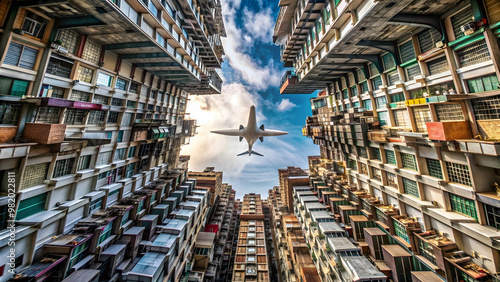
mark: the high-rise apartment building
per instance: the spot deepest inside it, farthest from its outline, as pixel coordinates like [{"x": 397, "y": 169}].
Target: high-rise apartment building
[
  {"x": 289, "y": 177},
  {"x": 406, "y": 121},
  {"x": 211, "y": 179},
  {"x": 251, "y": 261},
  {"x": 92, "y": 115}
]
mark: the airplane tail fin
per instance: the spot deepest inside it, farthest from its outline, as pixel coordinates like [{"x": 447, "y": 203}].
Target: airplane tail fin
[
  {"x": 244, "y": 153},
  {"x": 255, "y": 153},
  {"x": 261, "y": 139},
  {"x": 241, "y": 138}
]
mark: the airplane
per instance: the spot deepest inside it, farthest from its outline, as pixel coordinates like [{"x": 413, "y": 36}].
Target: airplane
[{"x": 251, "y": 133}]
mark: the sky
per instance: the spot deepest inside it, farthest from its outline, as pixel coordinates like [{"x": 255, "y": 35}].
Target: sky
[{"x": 251, "y": 73}]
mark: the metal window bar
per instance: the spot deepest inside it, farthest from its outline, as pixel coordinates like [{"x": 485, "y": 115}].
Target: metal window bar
[
  {"x": 458, "y": 173},
  {"x": 75, "y": 116},
  {"x": 77, "y": 95},
  {"x": 83, "y": 162},
  {"x": 474, "y": 53},
  {"x": 409, "y": 161},
  {"x": 410, "y": 187},
  {"x": 438, "y": 65},
  {"x": 428, "y": 38},
  {"x": 449, "y": 112},
  {"x": 459, "y": 19},
  {"x": 63, "y": 167},
  {"x": 487, "y": 108},
  {"x": 434, "y": 168},
  {"x": 34, "y": 175},
  {"x": 406, "y": 51},
  {"x": 48, "y": 114},
  {"x": 422, "y": 115}
]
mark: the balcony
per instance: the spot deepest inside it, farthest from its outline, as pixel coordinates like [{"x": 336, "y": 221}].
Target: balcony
[
  {"x": 44, "y": 133},
  {"x": 288, "y": 79}
]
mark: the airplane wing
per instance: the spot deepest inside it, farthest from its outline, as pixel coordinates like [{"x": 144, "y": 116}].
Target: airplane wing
[
  {"x": 229, "y": 132},
  {"x": 270, "y": 132}
]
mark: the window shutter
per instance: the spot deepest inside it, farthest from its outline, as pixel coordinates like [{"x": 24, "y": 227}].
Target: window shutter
[
  {"x": 13, "y": 54},
  {"x": 28, "y": 58}
]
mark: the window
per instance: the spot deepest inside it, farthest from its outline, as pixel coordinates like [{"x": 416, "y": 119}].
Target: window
[
  {"x": 21, "y": 56},
  {"x": 458, "y": 173},
  {"x": 438, "y": 65},
  {"x": 449, "y": 112},
  {"x": 96, "y": 117},
  {"x": 434, "y": 168},
  {"x": 373, "y": 70},
  {"x": 410, "y": 187},
  {"x": 85, "y": 74},
  {"x": 383, "y": 118},
  {"x": 63, "y": 167},
  {"x": 34, "y": 24},
  {"x": 14, "y": 87},
  {"x": 492, "y": 215},
  {"x": 133, "y": 87},
  {"x": 427, "y": 39},
  {"x": 121, "y": 84},
  {"x": 402, "y": 119},
  {"x": 364, "y": 169},
  {"x": 127, "y": 119},
  {"x": 463, "y": 17},
  {"x": 391, "y": 157},
  {"x": 131, "y": 151},
  {"x": 113, "y": 117},
  {"x": 352, "y": 164},
  {"x": 75, "y": 116},
  {"x": 474, "y": 53},
  {"x": 99, "y": 99},
  {"x": 31, "y": 206},
  {"x": 117, "y": 102},
  {"x": 406, "y": 51},
  {"x": 69, "y": 39},
  {"x": 381, "y": 102},
  {"x": 354, "y": 91},
  {"x": 77, "y": 95},
  {"x": 367, "y": 104},
  {"x": 119, "y": 154},
  {"x": 376, "y": 154},
  {"x": 103, "y": 158},
  {"x": 463, "y": 205},
  {"x": 377, "y": 82},
  {"x": 59, "y": 67},
  {"x": 400, "y": 231},
  {"x": 377, "y": 174},
  {"x": 129, "y": 11},
  {"x": 409, "y": 161},
  {"x": 487, "y": 108},
  {"x": 426, "y": 250},
  {"x": 362, "y": 152},
  {"x": 397, "y": 97},
  {"x": 391, "y": 179},
  {"x": 147, "y": 27},
  {"x": 48, "y": 114},
  {"x": 95, "y": 205},
  {"x": 104, "y": 79},
  {"x": 131, "y": 104},
  {"x": 130, "y": 170},
  {"x": 422, "y": 115},
  {"x": 9, "y": 112},
  {"x": 412, "y": 71},
  {"x": 92, "y": 51},
  {"x": 482, "y": 84},
  {"x": 83, "y": 162},
  {"x": 392, "y": 78}
]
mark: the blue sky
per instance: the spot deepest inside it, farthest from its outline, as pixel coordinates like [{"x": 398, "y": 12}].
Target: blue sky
[{"x": 251, "y": 72}]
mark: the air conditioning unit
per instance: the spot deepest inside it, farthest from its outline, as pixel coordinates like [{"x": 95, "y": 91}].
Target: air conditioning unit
[{"x": 468, "y": 28}]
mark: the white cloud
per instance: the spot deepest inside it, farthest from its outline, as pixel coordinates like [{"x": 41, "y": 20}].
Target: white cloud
[
  {"x": 259, "y": 25},
  {"x": 285, "y": 105},
  {"x": 239, "y": 44}
]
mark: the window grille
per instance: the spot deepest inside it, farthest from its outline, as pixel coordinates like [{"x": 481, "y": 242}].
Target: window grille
[
  {"x": 83, "y": 162},
  {"x": 104, "y": 79},
  {"x": 134, "y": 86},
  {"x": 373, "y": 70},
  {"x": 459, "y": 19},
  {"x": 119, "y": 154},
  {"x": 363, "y": 152},
  {"x": 131, "y": 104},
  {"x": 376, "y": 154},
  {"x": 352, "y": 164},
  {"x": 463, "y": 205},
  {"x": 492, "y": 215},
  {"x": 392, "y": 179},
  {"x": 412, "y": 71},
  {"x": 103, "y": 158},
  {"x": 367, "y": 104},
  {"x": 406, "y": 51},
  {"x": 34, "y": 175},
  {"x": 77, "y": 95},
  {"x": 383, "y": 117},
  {"x": 69, "y": 40},
  {"x": 91, "y": 51},
  {"x": 17, "y": 87},
  {"x": 458, "y": 173},
  {"x": 57, "y": 92},
  {"x": 397, "y": 97},
  {"x": 21, "y": 56},
  {"x": 434, "y": 168},
  {"x": 48, "y": 114},
  {"x": 95, "y": 205},
  {"x": 34, "y": 25},
  {"x": 377, "y": 82},
  {"x": 119, "y": 138},
  {"x": 438, "y": 65},
  {"x": 410, "y": 187},
  {"x": 121, "y": 84},
  {"x": 422, "y": 115},
  {"x": 474, "y": 53},
  {"x": 361, "y": 74},
  {"x": 98, "y": 99},
  {"x": 381, "y": 102},
  {"x": 131, "y": 152},
  {"x": 9, "y": 112},
  {"x": 117, "y": 102},
  {"x": 409, "y": 161},
  {"x": 354, "y": 91},
  {"x": 85, "y": 74},
  {"x": 113, "y": 117},
  {"x": 127, "y": 119},
  {"x": 130, "y": 170},
  {"x": 96, "y": 117},
  {"x": 402, "y": 119},
  {"x": 63, "y": 167},
  {"x": 428, "y": 38},
  {"x": 449, "y": 112},
  {"x": 393, "y": 78},
  {"x": 486, "y": 108},
  {"x": 364, "y": 169},
  {"x": 364, "y": 86},
  {"x": 75, "y": 116},
  {"x": 481, "y": 84},
  {"x": 400, "y": 231},
  {"x": 31, "y": 206},
  {"x": 151, "y": 107},
  {"x": 388, "y": 61}
]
